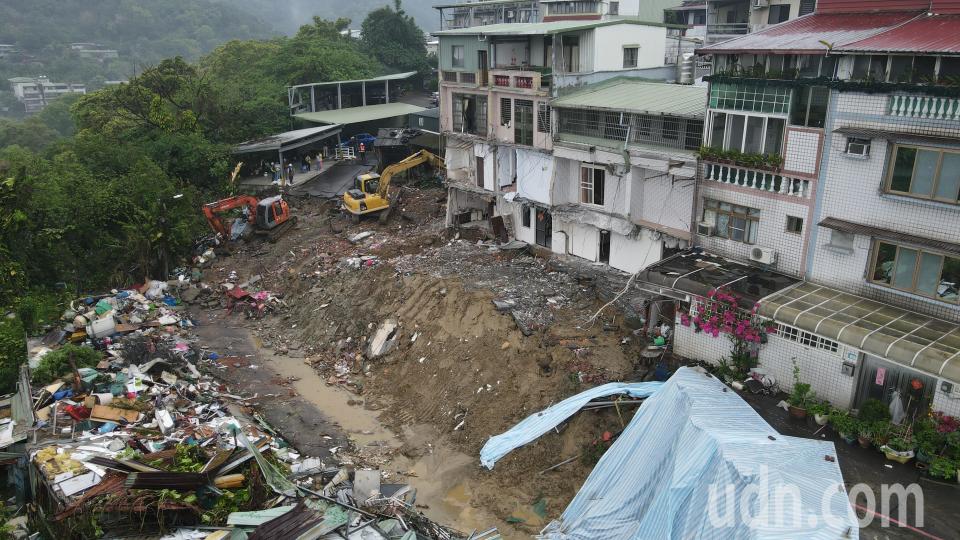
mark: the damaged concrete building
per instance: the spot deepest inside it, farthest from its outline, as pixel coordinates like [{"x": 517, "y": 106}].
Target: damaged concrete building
[{"x": 497, "y": 83}]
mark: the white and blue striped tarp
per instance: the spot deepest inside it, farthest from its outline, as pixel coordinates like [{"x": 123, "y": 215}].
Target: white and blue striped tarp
[
  {"x": 535, "y": 425},
  {"x": 698, "y": 462}
]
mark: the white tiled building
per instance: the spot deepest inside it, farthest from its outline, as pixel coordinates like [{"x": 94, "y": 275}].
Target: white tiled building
[{"x": 866, "y": 205}]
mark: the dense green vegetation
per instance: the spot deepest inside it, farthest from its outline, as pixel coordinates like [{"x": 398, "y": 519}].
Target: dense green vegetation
[{"x": 104, "y": 190}]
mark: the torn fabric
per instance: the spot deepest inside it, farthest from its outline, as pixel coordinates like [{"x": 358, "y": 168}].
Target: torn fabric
[{"x": 535, "y": 425}]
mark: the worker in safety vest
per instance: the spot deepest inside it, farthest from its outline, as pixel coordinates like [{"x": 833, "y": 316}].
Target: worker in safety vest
[{"x": 363, "y": 153}]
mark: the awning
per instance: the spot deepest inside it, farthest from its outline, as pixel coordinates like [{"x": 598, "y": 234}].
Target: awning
[
  {"x": 898, "y": 335},
  {"x": 887, "y": 234},
  {"x": 356, "y": 115},
  {"x": 894, "y": 134},
  {"x": 287, "y": 140},
  {"x": 697, "y": 272}
]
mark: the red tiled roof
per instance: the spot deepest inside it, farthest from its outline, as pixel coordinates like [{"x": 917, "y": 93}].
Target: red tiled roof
[
  {"x": 853, "y": 6},
  {"x": 808, "y": 34},
  {"x": 934, "y": 33}
]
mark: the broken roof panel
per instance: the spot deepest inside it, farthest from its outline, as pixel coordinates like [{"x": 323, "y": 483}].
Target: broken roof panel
[
  {"x": 356, "y": 115},
  {"x": 692, "y": 445},
  {"x": 697, "y": 272},
  {"x": 635, "y": 95},
  {"x": 910, "y": 339},
  {"x": 927, "y": 33},
  {"x": 813, "y": 34},
  {"x": 287, "y": 140}
]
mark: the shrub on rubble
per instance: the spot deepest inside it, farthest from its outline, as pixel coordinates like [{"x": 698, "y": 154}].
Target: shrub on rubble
[
  {"x": 56, "y": 364},
  {"x": 13, "y": 352}
]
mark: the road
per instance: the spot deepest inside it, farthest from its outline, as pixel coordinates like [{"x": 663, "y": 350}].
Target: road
[{"x": 333, "y": 181}]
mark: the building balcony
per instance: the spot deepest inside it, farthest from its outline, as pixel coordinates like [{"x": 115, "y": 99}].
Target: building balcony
[
  {"x": 470, "y": 78},
  {"x": 920, "y": 106},
  {"x": 522, "y": 78},
  {"x": 761, "y": 180}
]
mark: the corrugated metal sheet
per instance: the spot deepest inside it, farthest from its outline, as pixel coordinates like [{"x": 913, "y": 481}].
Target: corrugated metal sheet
[
  {"x": 644, "y": 97},
  {"x": 848, "y": 6},
  {"x": 806, "y": 34},
  {"x": 936, "y": 33},
  {"x": 541, "y": 28},
  {"x": 355, "y": 115},
  {"x": 920, "y": 342},
  {"x": 691, "y": 458}
]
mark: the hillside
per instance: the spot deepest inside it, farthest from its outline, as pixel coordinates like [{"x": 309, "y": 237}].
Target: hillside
[{"x": 289, "y": 15}]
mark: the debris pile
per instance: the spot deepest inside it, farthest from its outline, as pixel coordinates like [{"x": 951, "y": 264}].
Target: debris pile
[{"x": 134, "y": 435}]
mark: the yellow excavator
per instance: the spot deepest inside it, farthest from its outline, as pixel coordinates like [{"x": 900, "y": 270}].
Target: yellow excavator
[{"x": 371, "y": 191}]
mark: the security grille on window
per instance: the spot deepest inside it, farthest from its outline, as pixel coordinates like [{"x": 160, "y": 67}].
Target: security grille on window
[
  {"x": 543, "y": 118},
  {"x": 917, "y": 271},
  {"x": 643, "y": 129},
  {"x": 630, "y": 56},
  {"x": 506, "y": 111},
  {"x": 858, "y": 147},
  {"x": 925, "y": 173},
  {"x": 806, "y": 338},
  {"x": 457, "y": 56},
  {"x": 731, "y": 221},
  {"x": 591, "y": 185}
]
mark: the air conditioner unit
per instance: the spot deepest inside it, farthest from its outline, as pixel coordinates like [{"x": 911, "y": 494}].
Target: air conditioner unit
[
  {"x": 760, "y": 3},
  {"x": 763, "y": 255},
  {"x": 704, "y": 229}
]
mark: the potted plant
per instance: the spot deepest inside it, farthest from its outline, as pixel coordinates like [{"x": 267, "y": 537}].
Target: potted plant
[
  {"x": 943, "y": 468},
  {"x": 865, "y": 435},
  {"x": 881, "y": 433},
  {"x": 845, "y": 425},
  {"x": 801, "y": 396},
  {"x": 821, "y": 412},
  {"x": 899, "y": 449}
]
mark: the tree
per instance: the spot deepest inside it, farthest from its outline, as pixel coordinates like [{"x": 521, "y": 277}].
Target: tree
[{"x": 394, "y": 39}]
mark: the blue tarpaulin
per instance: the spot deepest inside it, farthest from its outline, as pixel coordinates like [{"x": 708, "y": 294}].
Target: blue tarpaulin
[
  {"x": 697, "y": 461},
  {"x": 535, "y": 425}
]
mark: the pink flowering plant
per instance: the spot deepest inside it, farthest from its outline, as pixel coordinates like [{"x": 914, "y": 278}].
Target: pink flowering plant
[{"x": 724, "y": 312}]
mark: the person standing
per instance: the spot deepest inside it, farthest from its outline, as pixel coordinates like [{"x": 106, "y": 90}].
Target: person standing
[
  {"x": 290, "y": 172},
  {"x": 309, "y": 162},
  {"x": 363, "y": 153},
  {"x": 320, "y": 161}
]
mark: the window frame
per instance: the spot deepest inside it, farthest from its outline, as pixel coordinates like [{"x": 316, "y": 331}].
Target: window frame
[
  {"x": 793, "y": 220},
  {"x": 891, "y": 166},
  {"x": 779, "y": 9},
  {"x": 462, "y": 62},
  {"x": 525, "y": 220},
  {"x": 506, "y": 111},
  {"x": 727, "y": 131},
  {"x": 543, "y": 117},
  {"x": 875, "y": 254},
  {"x": 590, "y": 184},
  {"x": 751, "y": 226},
  {"x": 808, "y": 106},
  {"x": 636, "y": 56}
]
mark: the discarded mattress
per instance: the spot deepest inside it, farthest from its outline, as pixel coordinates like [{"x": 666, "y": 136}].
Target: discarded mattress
[
  {"x": 697, "y": 461},
  {"x": 535, "y": 425}
]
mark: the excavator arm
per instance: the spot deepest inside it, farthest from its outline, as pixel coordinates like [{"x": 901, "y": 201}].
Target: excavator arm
[
  {"x": 213, "y": 210},
  {"x": 410, "y": 162}
]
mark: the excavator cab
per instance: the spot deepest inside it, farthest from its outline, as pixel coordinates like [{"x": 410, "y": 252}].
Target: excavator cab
[
  {"x": 272, "y": 212},
  {"x": 371, "y": 191}
]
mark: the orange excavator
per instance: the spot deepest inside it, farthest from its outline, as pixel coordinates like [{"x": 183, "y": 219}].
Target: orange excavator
[{"x": 268, "y": 217}]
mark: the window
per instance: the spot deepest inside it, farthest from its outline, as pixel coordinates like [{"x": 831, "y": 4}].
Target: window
[
  {"x": 614, "y": 8},
  {"x": 926, "y": 173},
  {"x": 630, "y": 55},
  {"x": 858, "y": 147},
  {"x": 573, "y": 7},
  {"x": 543, "y": 117},
  {"x": 926, "y": 273},
  {"x": 750, "y": 98},
  {"x": 480, "y": 171},
  {"x": 950, "y": 69},
  {"x": 671, "y": 129},
  {"x": 470, "y": 114},
  {"x": 806, "y": 339},
  {"x": 869, "y": 68},
  {"x": 571, "y": 53},
  {"x": 731, "y": 221},
  {"x": 525, "y": 216},
  {"x": 457, "y": 56},
  {"x": 604, "y": 254},
  {"x": 809, "y": 107},
  {"x": 841, "y": 240},
  {"x": 506, "y": 111},
  {"x": 523, "y": 122},
  {"x": 759, "y": 134},
  {"x": 778, "y": 13},
  {"x": 591, "y": 185},
  {"x": 794, "y": 225}
]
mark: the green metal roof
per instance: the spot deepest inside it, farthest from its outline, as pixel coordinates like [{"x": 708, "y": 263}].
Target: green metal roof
[
  {"x": 355, "y": 115},
  {"x": 541, "y": 28},
  {"x": 639, "y": 96}
]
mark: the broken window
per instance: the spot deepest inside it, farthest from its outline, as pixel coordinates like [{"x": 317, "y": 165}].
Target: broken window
[
  {"x": 925, "y": 173},
  {"x": 544, "y": 233},
  {"x": 922, "y": 272},
  {"x": 591, "y": 185},
  {"x": 470, "y": 114},
  {"x": 731, "y": 221}
]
